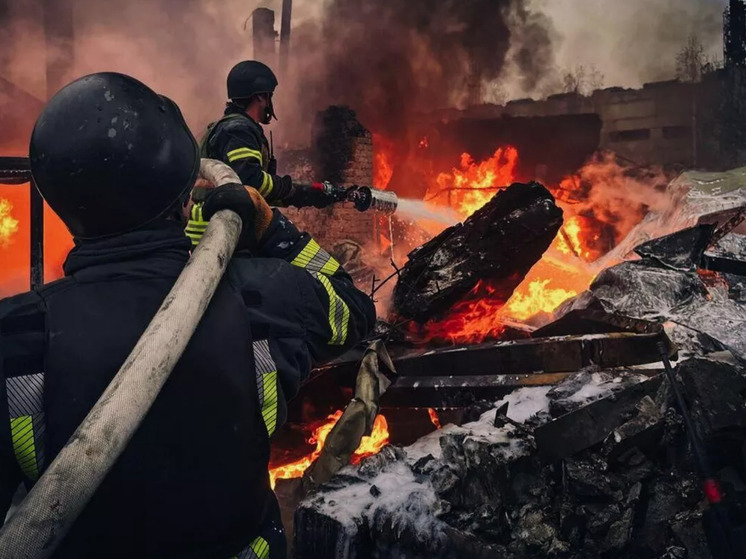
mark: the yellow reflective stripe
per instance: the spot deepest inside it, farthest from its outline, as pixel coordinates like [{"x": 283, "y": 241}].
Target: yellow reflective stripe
[
  {"x": 260, "y": 547},
  {"x": 339, "y": 312},
  {"x": 269, "y": 405},
  {"x": 313, "y": 258},
  {"x": 244, "y": 153},
  {"x": 24, "y": 445},
  {"x": 330, "y": 267},
  {"x": 196, "y": 226},
  {"x": 306, "y": 255},
  {"x": 267, "y": 185}
]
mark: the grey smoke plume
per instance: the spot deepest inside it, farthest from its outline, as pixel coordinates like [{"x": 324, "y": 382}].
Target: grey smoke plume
[
  {"x": 388, "y": 59},
  {"x": 392, "y": 59},
  {"x": 634, "y": 41},
  {"x": 180, "y": 48}
]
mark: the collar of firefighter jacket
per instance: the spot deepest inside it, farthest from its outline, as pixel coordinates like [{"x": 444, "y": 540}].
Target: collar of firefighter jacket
[
  {"x": 233, "y": 109},
  {"x": 161, "y": 250}
]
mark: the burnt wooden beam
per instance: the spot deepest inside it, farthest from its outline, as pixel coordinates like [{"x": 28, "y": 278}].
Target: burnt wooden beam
[
  {"x": 453, "y": 392},
  {"x": 498, "y": 244},
  {"x": 541, "y": 355}
]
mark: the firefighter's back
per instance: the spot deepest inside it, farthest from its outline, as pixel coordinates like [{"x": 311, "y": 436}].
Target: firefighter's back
[{"x": 193, "y": 480}]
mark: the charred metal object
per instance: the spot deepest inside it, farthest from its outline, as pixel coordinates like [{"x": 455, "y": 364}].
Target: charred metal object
[{"x": 499, "y": 243}]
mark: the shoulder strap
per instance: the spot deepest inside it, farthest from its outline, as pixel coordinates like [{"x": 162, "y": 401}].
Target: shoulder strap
[{"x": 205, "y": 140}]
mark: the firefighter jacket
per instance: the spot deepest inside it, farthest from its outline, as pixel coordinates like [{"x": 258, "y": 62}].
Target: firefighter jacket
[
  {"x": 193, "y": 481},
  {"x": 236, "y": 139}
]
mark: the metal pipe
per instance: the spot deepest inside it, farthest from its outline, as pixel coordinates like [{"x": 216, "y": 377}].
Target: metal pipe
[
  {"x": 263, "y": 30},
  {"x": 37, "y": 237},
  {"x": 46, "y": 515},
  {"x": 287, "y": 12}
]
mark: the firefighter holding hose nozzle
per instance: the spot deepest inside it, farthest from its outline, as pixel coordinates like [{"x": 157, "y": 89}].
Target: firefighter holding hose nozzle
[
  {"x": 238, "y": 139},
  {"x": 193, "y": 480}
]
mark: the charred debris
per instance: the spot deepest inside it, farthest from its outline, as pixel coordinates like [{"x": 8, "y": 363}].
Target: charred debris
[{"x": 568, "y": 443}]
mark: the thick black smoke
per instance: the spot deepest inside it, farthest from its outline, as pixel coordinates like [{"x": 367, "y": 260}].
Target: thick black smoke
[{"x": 392, "y": 59}]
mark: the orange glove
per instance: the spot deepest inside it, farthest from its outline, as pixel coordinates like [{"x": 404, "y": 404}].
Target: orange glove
[{"x": 263, "y": 216}]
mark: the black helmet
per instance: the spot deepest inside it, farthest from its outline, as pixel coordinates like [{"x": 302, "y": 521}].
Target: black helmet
[
  {"x": 110, "y": 155},
  {"x": 249, "y": 78}
]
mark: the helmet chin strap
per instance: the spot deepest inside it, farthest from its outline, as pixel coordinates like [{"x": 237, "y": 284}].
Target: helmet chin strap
[{"x": 270, "y": 111}]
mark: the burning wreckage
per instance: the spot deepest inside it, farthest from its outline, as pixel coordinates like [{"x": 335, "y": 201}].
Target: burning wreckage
[{"x": 565, "y": 438}]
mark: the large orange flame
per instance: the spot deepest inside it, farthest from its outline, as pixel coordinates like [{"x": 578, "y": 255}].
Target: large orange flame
[
  {"x": 368, "y": 446},
  {"x": 471, "y": 186}
]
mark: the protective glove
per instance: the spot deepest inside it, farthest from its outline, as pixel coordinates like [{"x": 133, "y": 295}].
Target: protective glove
[
  {"x": 305, "y": 195},
  {"x": 255, "y": 214}
]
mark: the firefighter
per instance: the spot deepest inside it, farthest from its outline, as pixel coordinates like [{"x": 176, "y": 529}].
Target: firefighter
[
  {"x": 193, "y": 481},
  {"x": 238, "y": 140}
]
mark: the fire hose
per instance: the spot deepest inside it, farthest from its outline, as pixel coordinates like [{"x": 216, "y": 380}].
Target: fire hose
[{"x": 45, "y": 516}]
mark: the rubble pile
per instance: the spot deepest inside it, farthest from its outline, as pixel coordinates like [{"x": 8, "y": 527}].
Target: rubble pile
[
  {"x": 668, "y": 285},
  {"x": 506, "y": 485},
  {"x": 587, "y": 456}
]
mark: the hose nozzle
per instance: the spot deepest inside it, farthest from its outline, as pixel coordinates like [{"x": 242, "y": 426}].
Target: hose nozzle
[{"x": 365, "y": 198}]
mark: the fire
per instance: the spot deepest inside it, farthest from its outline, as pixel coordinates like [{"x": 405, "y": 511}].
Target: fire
[
  {"x": 562, "y": 273},
  {"x": 474, "y": 184},
  {"x": 383, "y": 169},
  {"x": 368, "y": 446},
  {"x": 8, "y": 224},
  {"x": 434, "y": 419},
  {"x": 538, "y": 298},
  {"x": 470, "y": 321}
]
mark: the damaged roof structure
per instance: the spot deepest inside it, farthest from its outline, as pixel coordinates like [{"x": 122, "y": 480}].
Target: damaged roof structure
[{"x": 570, "y": 444}]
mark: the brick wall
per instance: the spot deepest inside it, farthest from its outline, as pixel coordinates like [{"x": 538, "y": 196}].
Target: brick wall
[{"x": 342, "y": 221}]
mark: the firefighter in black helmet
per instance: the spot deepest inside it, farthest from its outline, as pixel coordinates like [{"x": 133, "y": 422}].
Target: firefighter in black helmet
[
  {"x": 238, "y": 139},
  {"x": 117, "y": 162}
]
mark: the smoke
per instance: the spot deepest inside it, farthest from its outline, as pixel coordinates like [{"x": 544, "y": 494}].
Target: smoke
[
  {"x": 388, "y": 60},
  {"x": 391, "y": 60},
  {"x": 180, "y": 48},
  {"x": 634, "y": 41},
  {"x": 617, "y": 195}
]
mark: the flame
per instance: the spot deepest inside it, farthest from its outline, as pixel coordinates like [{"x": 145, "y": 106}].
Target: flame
[
  {"x": 562, "y": 273},
  {"x": 383, "y": 169},
  {"x": 369, "y": 445},
  {"x": 474, "y": 184},
  {"x": 15, "y": 236},
  {"x": 8, "y": 224},
  {"x": 434, "y": 418},
  {"x": 537, "y": 298}
]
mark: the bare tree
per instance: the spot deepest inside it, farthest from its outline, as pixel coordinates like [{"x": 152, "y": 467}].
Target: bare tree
[
  {"x": 691, "y": 60},
  {"x": 595, "y": 79},
  {"x": 582, "y": 80}
]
